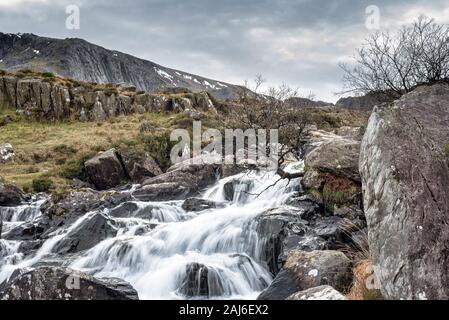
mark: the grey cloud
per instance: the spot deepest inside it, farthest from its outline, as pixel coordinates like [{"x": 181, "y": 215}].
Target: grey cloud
[{"x": 294, "y": 41}]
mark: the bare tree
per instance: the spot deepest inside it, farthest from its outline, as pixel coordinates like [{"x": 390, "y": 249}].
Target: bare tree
[
  {"x": 395, "y": 63},
  {"x": 269, "y": 111}
]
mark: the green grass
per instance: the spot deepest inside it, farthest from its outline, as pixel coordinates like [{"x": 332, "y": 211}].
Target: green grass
[
  {"x": 42, "y": 184},
  {"x": 59, "y": 150},
  {"x": 446, "y": 150}
]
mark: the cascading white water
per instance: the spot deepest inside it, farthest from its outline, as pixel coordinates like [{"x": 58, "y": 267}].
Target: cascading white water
[{"x": 157, "y": 243}]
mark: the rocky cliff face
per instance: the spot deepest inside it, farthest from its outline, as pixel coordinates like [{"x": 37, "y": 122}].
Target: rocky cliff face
[
  {"x": 84, "y": 61},
  {"x": 58, "y": 99},
  {"x": 363, "y": 103},
  {"x": 404, "y": 165}
]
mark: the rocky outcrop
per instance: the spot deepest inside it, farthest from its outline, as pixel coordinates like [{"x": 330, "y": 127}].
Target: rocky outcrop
[
  {"x": 57, "y": 283},
  {"x": 338, "y": 156},
  {"x": 304, "y": 270},
  {"x": 138, "y": 164},
  {"x": 11, "y": 195},
  {"x": 6, "y": 153},
  {"x": 405, "y": 174},
  {"x": 105, "y": 170},
  {"x": 299, "y": 102},
  {"x": 364, "y": 103},
  {"x": 55, "y": 99},
  {"x": 282, "y": 230},
  {"x": 77, "y": 203},
  {"x": 318, "y": 293}
]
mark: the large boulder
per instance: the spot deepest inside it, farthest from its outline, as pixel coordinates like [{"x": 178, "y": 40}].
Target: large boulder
[
  {"x": 339, "y": 156},
  {"x": 284, "y": 229},
  {"x": 164, "y": 191},
  {"x": 304, "y": 270},
  {"x": 92, "y": 230},
  {"x": 138, "y": 164},
  {"x": 318, "y": 293},
  {"x": 181, "y": 180},
  {"x": 77, "y": 203},
  {"x": 405, "y": 175},
  {"x": 6, "y": 153},
  {"x": 57, "y": 283},
  {"x": 105, "y": 170},
  {"x": 11, "y": 195},
  {"x": 196, "y": 281}
]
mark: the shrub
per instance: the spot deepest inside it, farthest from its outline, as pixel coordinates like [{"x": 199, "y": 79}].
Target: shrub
[
  {"x": 31, "y": 169},
  {"x": 47, "y": 75},
  {"x": 42, "y": 184},
  {"x": 446, "y": 150},
  {"x": 64, "y": 149},
  {"x": 159, "y": 147},
  {"x": 74, "y": 169}
]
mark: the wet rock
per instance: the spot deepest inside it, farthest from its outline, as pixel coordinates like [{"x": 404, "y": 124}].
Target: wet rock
[
  {"x": 307, "y": 204},
  {"x": 26, "y": 231},
  {"x": 57, "y": 283},
  {"x": 195, "y": 283},
  {"x": 331, "y": 229},
  {"x": 184, "y": 178},
  {"x": 11, "y": 195},
  {"x": 197, "y": 204},
  {"x": 105, "y": 170},
  {"x": 352, "y": 213},
  {"x": 77, "y": 203},
  {"x": 86, "y": 235},
  {"x": 282, "y": 230},
  {"x": 404, "y": 167},
  {"x": 304, "y": 270},
  {"x": 162, "y": 192},
  {"x": 201, "y": 281},
  {"x": 237, "y": 189},
  {"x": 126, "y": 209},
  {"x": 283, "y": 286},
  {"x": 78, "y": 184},
  {"x": 318, "y": 293}
]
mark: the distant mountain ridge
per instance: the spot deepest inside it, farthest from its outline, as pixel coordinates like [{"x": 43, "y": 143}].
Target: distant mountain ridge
[{"x": 81, "y": 60}]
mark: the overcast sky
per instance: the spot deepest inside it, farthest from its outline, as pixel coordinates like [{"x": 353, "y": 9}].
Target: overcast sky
[{"x": 297, "y": 42}]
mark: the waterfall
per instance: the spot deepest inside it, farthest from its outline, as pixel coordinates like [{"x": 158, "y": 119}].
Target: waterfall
[{"x": 167, "y": 253}]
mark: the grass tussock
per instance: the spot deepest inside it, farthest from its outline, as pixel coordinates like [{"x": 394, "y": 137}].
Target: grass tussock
[
  {"x": 364, "y": 284},
  {"x": 338, "y": 191}
]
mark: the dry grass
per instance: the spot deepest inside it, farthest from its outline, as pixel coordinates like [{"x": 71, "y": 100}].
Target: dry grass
[
  {"x": 328, "y": 118},
  {"x": 363, "y": 278},
  {"x": 44, "y": 148}
]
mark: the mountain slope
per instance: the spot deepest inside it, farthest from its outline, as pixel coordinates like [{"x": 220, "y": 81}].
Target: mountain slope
[{"x": 81, "y": 60}]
